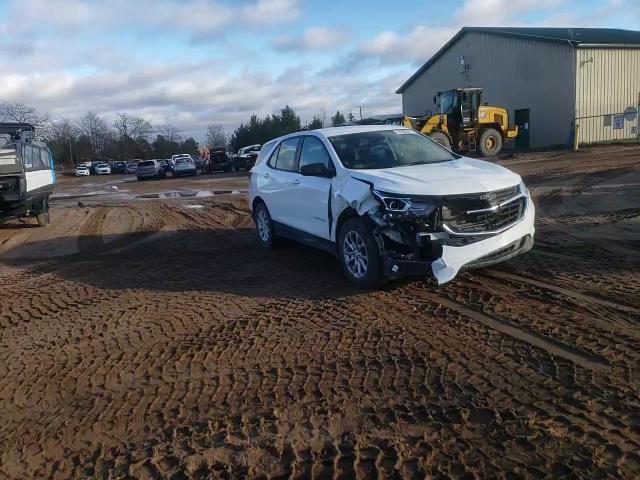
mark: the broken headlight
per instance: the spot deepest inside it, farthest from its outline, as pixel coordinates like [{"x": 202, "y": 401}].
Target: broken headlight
[
  {"x": 522, "y": 188},
  {"x": 391, "y": 203}
]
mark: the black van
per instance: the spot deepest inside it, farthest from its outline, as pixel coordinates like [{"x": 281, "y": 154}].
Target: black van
[{"x": 27, "y": 177}]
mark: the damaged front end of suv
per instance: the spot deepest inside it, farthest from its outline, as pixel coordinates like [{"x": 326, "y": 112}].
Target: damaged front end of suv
[{"x": 440, "y": 234}]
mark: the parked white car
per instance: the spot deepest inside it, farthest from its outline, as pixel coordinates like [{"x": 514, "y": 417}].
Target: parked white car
[
  {"x": 101, "y": 168},
  {"x": 389, "y": 202},
  {"x": 82, "y": 171}
]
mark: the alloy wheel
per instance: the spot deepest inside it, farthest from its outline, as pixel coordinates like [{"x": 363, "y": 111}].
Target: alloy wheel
[
  {"x": 262, "y": 222},
  {"x": 354, "y": 251}
]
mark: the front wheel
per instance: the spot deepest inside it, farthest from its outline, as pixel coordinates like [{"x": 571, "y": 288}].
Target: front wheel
[
  {"x": 360, "y": 255},
  {"x": 490, "y": 142},
  {"x": 441, "y": 138}
]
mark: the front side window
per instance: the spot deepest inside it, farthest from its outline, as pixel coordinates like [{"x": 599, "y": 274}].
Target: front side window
[
  {"x": 313, "y": 151},
  {"x": 388, "y": 149},
  {"x": 286, "y": 157}
]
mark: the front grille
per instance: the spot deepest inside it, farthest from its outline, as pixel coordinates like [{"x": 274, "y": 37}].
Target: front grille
[{"x": 468, "y": 214}]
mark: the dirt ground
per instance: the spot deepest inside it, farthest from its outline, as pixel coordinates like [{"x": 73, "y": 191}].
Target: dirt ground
[{"x": 144, "y": 334}]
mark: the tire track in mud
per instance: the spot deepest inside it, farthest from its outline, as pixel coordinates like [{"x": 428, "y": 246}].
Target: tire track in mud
[
  {"x": 577, "y": 296},
  {"x": 550, "y": 345},
  {"x": 223, "y": 361}
]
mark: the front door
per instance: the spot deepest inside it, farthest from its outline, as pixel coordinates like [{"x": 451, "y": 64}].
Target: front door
[
  {"x": 312, "y": 199},
  {"x": 522, "y": 120}
]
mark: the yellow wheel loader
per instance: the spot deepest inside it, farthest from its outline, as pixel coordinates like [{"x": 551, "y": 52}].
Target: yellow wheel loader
[{"x": 464, "y": 124}]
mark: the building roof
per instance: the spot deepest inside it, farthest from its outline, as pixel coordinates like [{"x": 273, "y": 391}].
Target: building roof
[{"x": 571, "y": 36}]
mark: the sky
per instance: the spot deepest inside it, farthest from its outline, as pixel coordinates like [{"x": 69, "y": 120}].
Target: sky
[{"x": 191, "y": 63}]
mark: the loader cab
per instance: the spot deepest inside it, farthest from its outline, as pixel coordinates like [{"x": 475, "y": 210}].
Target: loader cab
[{"x": 460, "y": 106}]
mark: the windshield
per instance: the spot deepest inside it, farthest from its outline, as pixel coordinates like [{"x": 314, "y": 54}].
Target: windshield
[{"x": 387, "y": 149}]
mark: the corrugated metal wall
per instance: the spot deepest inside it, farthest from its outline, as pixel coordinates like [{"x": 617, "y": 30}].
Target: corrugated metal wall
[
  {"x": 515, "y": 73},
  {"x": 607, "y": 83}
]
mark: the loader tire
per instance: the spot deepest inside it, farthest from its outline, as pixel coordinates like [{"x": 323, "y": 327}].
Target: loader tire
[
  {"x": 490, "y": 142},
  {"x": 441, "y": 138}
]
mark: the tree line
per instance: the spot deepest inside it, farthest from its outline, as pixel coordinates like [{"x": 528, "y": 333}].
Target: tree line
[
  {"x": 131, "y": 136},
  {"x": 92, "y": 138},
  {"x": 261, "y": 130}
]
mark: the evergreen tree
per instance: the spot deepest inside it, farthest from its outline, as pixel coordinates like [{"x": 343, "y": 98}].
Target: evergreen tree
[{"x": 337, "y": 119}]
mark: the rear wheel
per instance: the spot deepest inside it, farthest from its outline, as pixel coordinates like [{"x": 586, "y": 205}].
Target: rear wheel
[
  {"x": 359, "y": 254},
  {"x": 441, "y": 138},
  {"x": 490, "y": 142},
  {"x": 264, "y": 226},
  {"x": 43, "y": 215}
]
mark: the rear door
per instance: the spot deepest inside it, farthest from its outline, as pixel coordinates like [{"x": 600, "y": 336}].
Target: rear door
[
  {"x": 281, "y": 182},
  {"x": 312, "y": 198},
  {"x": 522, "y": 120}
]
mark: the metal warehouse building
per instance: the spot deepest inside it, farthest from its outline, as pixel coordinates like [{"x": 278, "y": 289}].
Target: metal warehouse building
[{"x": 549, "y": 79}]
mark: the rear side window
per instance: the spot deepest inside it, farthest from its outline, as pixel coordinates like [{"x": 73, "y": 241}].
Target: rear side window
[
  {"x": 313, "y": 151},
  {"x": 285, "y": 157},
  {"x": 32, "y": 159},
  {"x": 45, "y": 158}
]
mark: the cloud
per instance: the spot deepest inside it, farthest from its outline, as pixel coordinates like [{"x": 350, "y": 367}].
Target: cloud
[
  {"x": 417, "y": 46},
  {"x": 164, "y": 94},
  {"x": 499, "y": 12},
  {"x": 270, "y": 12},
  {"x": 198, "y": 19},
  {"x": 316, "y": 38}
]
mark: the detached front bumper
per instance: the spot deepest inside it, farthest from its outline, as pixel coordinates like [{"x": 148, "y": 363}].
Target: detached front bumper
[{"x": 496, "y": 248}]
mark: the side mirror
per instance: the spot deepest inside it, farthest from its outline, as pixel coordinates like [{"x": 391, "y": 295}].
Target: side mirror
[{"x": 316, "y": 170}]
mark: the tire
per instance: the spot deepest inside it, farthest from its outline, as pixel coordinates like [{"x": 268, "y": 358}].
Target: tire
[
  {"x": 43, "y": 215},
  {"x": 264, "y": 226},
  {"x": 490, "y": 142},
  {"x": 441, "y": 138},
  {"x": 359, "y": 254}
]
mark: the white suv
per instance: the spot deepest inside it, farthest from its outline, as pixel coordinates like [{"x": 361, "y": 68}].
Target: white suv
[{"x": 389, "y": 202}]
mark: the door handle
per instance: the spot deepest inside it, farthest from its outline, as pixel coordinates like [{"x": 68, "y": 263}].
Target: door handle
[{"x": 295, "y": 182}]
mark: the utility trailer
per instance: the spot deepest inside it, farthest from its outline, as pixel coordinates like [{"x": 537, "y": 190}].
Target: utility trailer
[{"x": 27, "y": 176}]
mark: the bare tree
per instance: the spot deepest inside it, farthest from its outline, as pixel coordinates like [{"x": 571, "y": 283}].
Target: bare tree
[
  {"x": 131, "y": 128},
  {"x": 95, "y": 128},
  {"x": 23, "y": 113},
  {"x": 216, "y": 136},
  {"x": 170, "y": 133},
  {"x": 63, "y": 136}
]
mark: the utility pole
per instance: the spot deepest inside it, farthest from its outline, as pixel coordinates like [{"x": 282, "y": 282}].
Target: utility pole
[{"x": 361, "y": 113}]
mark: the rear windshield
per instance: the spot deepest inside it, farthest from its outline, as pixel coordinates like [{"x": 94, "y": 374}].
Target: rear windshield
[
  {"x": 388, "y": 149},
  {"x": 9, "y": 162},
  {"x": 183, "y": 160},
  {"x": 149, "y": 163}
]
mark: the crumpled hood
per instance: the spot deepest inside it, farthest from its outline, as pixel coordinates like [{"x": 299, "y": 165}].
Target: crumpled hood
[{"x": 463, "y": 175}]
